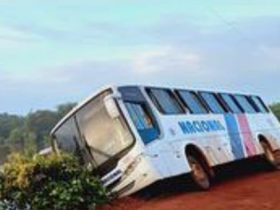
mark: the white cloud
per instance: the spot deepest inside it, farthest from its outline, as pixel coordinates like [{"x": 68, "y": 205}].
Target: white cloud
[
  {"x": 14, "y": 39},
  {"x": 16, "y": 35},
  {"x": 165, "y": 59}
]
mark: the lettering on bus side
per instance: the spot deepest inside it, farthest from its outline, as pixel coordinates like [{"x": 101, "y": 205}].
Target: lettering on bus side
[{"x": 204, "y": 126}]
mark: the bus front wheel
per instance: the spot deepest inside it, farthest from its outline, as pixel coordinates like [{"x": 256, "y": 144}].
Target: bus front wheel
[
  {"x": 272, "y": 157},
  {"x": 198, "y": 173}
]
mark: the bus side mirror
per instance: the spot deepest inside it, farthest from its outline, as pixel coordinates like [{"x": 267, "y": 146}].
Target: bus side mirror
[{"x": 111, "y": 106}]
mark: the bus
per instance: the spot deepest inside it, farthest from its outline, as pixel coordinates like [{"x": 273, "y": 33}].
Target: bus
[{"x": 133, "y": 136}]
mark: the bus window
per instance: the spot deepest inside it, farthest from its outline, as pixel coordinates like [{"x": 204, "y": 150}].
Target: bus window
[
  {"x": 66, "y": 137},
  {"x": 192, "y": 102},
  {"x": 165, "y": 101},
  {"x": 213, "y": 103},
  {"x": 245, "y": 104},
  {"x": 143, "y": 121},
  {"x": 105, "y": 137},
  {"x": 259, "y": 104},
  {"x": 229, "y": 101}
]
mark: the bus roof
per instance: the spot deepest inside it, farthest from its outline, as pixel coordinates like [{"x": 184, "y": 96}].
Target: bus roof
[{"x": 113, "y": 87}]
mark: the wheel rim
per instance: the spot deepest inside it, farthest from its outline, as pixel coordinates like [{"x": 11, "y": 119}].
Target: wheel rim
[
  {"x": 268, "y": 153},
  {"x": 199, "y": 174}
]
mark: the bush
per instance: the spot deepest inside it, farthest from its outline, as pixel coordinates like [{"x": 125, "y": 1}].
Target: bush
[{"x": 56, "y": 182}]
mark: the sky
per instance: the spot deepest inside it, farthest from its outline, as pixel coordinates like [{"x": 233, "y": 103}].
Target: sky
[{"x": 53, "y": 52}]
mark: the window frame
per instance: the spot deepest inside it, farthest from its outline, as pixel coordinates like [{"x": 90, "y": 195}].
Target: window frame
[
  {"x": 155, "y": 102},
  {"x": 149, "y": 112},
  {"x": 202, "y": 104},
  {"x": 227, "y": 106},
  {"x": 120, "y": 153},
  {"x": 225, "y": 110},
  {"x": 76, "y": 137},
  {"x": 141, "y": 98},
  {"x": 235, "y": 96},
  {"x": 112, "y": 162},
  {"x": 264, "y": 106}
]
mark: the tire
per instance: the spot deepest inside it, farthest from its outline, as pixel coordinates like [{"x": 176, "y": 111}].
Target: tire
[
  {"x": 199, "y": 174},
  {"x": 271, "y": 157}
]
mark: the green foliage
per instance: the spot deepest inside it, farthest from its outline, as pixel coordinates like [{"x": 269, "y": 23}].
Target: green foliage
[
  {"x": 8, "y": 123},
  {"x": 1, "y": 184},
  {"x": 4, "y": 152},
  {"x": 40, "y": 123},
  {"x": 28, "y": 134},
  {"x": 63, "y": 109},
  {"x": 276, "y": 109},
  {"x": 56, "y": 182}
]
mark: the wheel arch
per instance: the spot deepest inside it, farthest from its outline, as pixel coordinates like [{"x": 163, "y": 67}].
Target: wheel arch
[{"x": 198, "y": 153}]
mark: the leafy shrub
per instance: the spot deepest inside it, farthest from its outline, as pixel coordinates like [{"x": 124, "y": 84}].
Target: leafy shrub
[{"x": 56, "y": 182}]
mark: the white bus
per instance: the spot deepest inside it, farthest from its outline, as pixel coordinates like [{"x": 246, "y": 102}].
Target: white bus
[{"x": 133, "y": 136}]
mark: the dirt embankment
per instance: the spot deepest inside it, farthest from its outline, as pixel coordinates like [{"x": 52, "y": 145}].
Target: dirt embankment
[{"x": 247, "y": 185}]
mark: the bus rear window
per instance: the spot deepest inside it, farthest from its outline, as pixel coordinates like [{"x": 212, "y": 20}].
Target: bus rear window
[
  {"x": 192, "y": 102},
  {"x": 165, "y": 101}
]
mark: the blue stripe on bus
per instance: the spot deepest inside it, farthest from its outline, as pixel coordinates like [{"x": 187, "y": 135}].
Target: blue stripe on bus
[{"x": 235, "y": 138}]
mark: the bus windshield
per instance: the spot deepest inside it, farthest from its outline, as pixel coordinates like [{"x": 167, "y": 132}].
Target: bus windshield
[{"x": 103, "y": 136}]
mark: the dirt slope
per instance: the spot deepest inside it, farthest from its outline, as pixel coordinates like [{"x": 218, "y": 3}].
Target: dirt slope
[{"x": 243, "y": 186}]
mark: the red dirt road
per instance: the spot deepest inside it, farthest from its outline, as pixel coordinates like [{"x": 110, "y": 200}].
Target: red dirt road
[{"x": 245, "y": 186}]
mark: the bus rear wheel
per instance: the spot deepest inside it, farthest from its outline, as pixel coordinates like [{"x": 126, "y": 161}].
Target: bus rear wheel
[
  {"x": 198, "y": 173},
  {"x": 272, "y": 157}
]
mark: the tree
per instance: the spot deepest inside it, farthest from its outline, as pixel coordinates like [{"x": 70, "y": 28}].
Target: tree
[
  {"x": 63, "y": 109},
  {"x": 29, "y": 133},
  {"x": 8, "y": 123},
  {"x": 30, "y": 146},
  {"x": 276, "y": 109},
  {"x": 16, "y": 138},
  {"x": 4, "y": 152},
  {"x": 2, "y": 140},
  {"x": 40, "y": 123}
]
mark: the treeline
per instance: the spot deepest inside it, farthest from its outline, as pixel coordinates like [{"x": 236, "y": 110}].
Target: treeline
[
  {"x": 276, "y": 109},
  {"x": 28, "y": 133}
]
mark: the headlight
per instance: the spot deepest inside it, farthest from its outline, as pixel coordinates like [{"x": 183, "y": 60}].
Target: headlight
[{"x": 131, "y": 167}]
